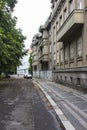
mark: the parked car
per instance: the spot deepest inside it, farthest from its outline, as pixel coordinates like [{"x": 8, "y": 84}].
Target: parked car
[
  {"x": 28, "y": 76},
  {"x": 7, "y": 75}
]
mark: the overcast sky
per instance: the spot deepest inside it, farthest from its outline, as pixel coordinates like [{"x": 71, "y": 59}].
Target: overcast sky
[{"x": 31, "y": 14}]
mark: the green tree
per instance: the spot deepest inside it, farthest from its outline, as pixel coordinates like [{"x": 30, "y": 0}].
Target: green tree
[
  {"x": 11, "y": 38},
  {"x": 30, "y": 64}
]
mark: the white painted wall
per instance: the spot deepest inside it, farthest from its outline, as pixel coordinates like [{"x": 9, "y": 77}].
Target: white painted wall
[
  {"x": 23, "y": 69},
  {"x": 43, "y": 74}
]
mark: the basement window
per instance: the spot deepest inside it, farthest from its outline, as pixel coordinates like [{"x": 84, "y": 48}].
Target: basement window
[
  {"x": 65, "y": 78},
  {"x": 61, "y": 77},
  {"x": 78, "y": 81},
  {"x": 71, "y": 79},
  {"x": 57, "y": 77}
]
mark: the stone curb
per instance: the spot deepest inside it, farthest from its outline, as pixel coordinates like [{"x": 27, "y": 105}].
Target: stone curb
[{"x": 65, "y": 122}]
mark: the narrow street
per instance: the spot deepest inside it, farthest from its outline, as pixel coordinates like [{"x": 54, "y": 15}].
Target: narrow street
[
  {"x": 41, "y": 105},
  {"x": 71, "y": 102},
  {"x": 24, "y": 107}
]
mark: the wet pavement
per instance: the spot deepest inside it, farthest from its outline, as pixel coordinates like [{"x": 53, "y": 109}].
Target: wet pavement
[
  {"x": 73, "y": 103},
  {"x": 22, "y": 107}
]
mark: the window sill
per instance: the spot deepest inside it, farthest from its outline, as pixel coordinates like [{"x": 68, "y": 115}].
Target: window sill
[{"x": 80, "y": 58}]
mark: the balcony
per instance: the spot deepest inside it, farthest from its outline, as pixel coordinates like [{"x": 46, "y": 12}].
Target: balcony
[
  {"x": 43, "y": 58},
  {"x": 35, "y": 63},
  {"x": 34, "y": 53},
  {"x": 41, "y": 28},
  {"x": 43, "y": 51},
  {"x": 72, "y": 23}
]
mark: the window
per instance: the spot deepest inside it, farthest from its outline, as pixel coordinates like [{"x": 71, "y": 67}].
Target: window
[
  {"x": 65, "y": 78},
  {"x": 34, "y": 58},
  {"x": 54, "y": 32},
  {"x": 71, "y": 5},
  {"x": 57, "y": 77},
  {"x": 61, "y": 55},
  {"x": 65, "y": 14},
  {"x": 71, "y": 79},
  {"x": 58, "y": 57},
  {"x": 54, "y": 56},
  {"x": 57, "y": 26},
  {"x": 72, "y": 50},
  {"x": 80, "y": 4},
  {"x": 50, "y": 48},
  {"x": 45, "y": 50},
  {"x": 66, "y": 54},
  {"x": 78, "y": 81},
  {"x": 60, "y": 21},
  {"x": 79, "y": 47},
  {"x": 61, "y": 77},
  {"x": 54, "y": 47}
]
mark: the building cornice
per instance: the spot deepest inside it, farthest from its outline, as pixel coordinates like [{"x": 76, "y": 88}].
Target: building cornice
[
  {"x": 46, "y": 26},
  {"x": 57, "y": 10},
  {"x": 36, "y": 39},
  {"x": 51, "y": 1}
]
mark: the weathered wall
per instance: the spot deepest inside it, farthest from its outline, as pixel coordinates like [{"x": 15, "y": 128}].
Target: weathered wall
[
  {"x": 43, "y": 74},
  {"x": 76, "y": 76}
]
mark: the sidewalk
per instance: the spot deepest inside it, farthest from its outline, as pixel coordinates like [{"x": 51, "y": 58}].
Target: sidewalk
[{"x": 69, "y": 104}]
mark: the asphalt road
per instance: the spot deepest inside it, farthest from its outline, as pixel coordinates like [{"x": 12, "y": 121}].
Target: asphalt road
[{"x": 23, "y": 107}]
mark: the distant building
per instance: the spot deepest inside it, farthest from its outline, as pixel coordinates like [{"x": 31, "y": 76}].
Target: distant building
[
  {"x": 23, "y": 69},
  {"x": 41, "y": 52}
]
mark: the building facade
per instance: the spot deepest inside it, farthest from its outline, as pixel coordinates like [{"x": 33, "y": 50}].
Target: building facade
[
  {"x": 41, "y": 52},
  {"x": 67, "y": 33}
]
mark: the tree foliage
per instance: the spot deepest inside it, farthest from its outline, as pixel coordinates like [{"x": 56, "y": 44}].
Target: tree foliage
[
  {"x": 30, "y": 64},
  {"x": 11, "y": 38}
]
